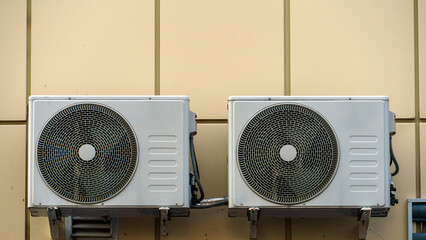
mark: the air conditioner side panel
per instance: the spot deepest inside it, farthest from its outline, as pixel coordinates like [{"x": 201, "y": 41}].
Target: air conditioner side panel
[{"x": 362, "y": 177}]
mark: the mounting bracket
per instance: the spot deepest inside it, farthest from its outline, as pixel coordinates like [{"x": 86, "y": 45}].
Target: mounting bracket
[
  {"x": 164, "y": 218},
  {"x": 54, "y": 216},
  {"x": 364, "y": 221},
  {"x": 253, "y": 217}
]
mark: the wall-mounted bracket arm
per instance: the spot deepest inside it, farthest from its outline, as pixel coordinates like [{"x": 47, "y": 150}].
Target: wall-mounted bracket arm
[
  {"x": 253, "y": 217},
  {"x": 164, "y": 218},
  {"x": 364, "y": 221},
  {"x": 54, "y": 216}
]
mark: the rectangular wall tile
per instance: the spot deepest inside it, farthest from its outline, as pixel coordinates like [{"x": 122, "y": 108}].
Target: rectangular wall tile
[
  {"x": 12, "y": 179},
  {"x": 354, "y": 48},
  {"x": 211, "y": 151},
  {"x": 92, "y": 47},
  {"x": 393, "y": 227},
  {"x": 423, "y": 158},
  {"x": 137, "y": 228},
  {"x": 13, "y": 28},
  {"x": 329, "y": 228},
  {"x": 422, "y": 56},
  {"x": 39, "y": 229},
  {"x": 211, "y": 50}
]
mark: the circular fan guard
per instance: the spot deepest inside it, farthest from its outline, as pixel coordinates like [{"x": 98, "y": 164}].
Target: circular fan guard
[
  {"x": 82, "y": 180},
  {"x": 272, "y": 177}
]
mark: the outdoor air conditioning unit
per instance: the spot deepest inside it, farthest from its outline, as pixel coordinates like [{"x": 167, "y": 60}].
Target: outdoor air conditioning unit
[
  {"x": 320, "y": 156},
  {"x": 109, "y": 155}
]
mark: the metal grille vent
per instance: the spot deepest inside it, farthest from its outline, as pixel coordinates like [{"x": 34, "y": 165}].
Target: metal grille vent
[
  {"x": 87, "y": 153},
  {"x": 95, "y": 228},
  {"x": 288, "y": 153}
]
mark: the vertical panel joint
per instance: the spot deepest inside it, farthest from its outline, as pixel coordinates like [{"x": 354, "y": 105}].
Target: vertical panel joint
[{"x": 157, "y": 47}]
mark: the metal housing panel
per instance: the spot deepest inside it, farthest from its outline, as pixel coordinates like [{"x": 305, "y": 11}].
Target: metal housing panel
[
  {"x": 361, "y": 125},
  {"x": 161, "y": 126}
]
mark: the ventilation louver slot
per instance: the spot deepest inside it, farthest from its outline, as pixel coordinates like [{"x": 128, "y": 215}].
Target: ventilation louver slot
[
  {"x": 288, "y": 153},
  {"x": 85, "y": 228},
  {"x": 87, "y": 153}
]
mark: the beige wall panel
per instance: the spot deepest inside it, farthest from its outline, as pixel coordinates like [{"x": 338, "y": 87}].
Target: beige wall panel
[
  {"x": 137, "y": 228},
  {"x": 12, "y": 179},
  {"x": 422, "y": 56},
  {"x": 206, "y": 224},
  {"x": 354, "y": 48},
  {"x": 13, "y": 28},
  {"x": 212, "y": 151},
  {"x": 423, "y": 159},
  {"x": 92, "y": 47},
  {"x": 329, "y": 228},
  {"x": 269, "y": 228},
  {"x": 213, "y": 49},
  {"x": 393, "y": 227},
  {"x": 39, "y": 229}
]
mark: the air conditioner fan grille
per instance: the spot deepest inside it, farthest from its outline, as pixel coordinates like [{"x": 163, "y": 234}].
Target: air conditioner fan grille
[
  {"x": 288, "y": 181},
  {"x": 98, "y": 177}
]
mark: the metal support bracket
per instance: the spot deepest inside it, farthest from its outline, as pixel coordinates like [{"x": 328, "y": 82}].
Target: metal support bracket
[
  {"x": 364, "y": 221},
  {"x": 164, "y": 218},
  {"x": 54, "y": 216},
  {"x": 253, "y": 217}
]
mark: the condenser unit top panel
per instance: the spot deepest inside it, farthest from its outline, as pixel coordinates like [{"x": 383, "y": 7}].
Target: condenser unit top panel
[
  {"x": 107, "y": 97},
  {"x": 305, "y": 98}
]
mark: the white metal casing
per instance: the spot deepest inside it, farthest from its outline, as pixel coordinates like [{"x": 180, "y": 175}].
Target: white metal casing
[
  {"x": 361, "y": 124},
  {"x": 160, "y": 123}
]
